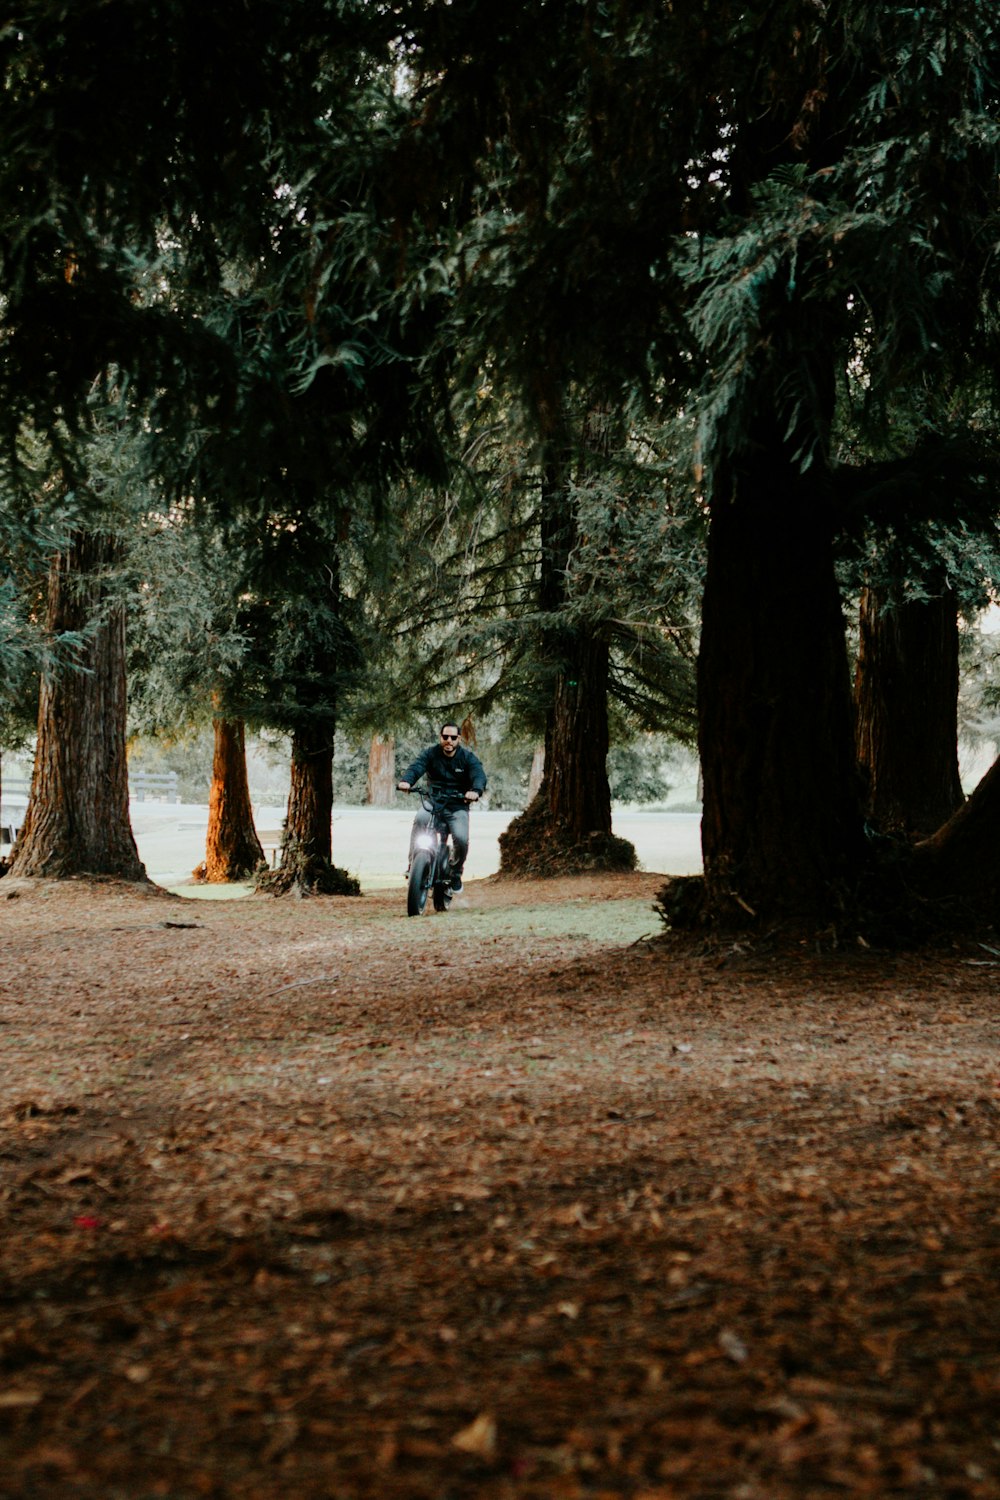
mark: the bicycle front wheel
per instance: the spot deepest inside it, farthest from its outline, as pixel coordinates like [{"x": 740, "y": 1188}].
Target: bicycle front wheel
[
  {"x": 420, "y": 880},
  {"x": 442, "y": 893}
]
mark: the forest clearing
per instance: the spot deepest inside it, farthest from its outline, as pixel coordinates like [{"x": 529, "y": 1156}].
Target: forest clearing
[{"x": 304, "y": 1199}]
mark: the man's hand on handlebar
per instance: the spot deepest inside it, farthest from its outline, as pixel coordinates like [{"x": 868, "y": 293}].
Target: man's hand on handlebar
[
  {"x": 402, "y": 786},
  {"x": 472, "y": 796}
]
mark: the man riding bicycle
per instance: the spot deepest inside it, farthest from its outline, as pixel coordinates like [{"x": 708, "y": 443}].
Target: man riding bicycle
[{"x": 456, "y": 777}]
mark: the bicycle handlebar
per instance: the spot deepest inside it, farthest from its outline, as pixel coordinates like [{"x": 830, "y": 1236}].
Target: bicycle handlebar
[{"x": 432, "y": 799}]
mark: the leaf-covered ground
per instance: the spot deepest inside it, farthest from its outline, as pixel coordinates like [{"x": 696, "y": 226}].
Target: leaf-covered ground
[{"x": 306, "y": 1199}]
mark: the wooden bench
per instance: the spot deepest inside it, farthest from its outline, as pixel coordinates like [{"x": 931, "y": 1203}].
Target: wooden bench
[
  {"x": 270, "y": 842},
  {"x": 13, "y": 806},
  {"x": 141, "y": 782}
]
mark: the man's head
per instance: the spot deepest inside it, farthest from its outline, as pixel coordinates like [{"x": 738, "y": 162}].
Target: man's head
[{"x": 449, "y": 738}]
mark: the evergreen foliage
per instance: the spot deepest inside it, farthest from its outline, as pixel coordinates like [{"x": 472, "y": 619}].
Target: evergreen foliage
[{"x": 464, "y": 622}]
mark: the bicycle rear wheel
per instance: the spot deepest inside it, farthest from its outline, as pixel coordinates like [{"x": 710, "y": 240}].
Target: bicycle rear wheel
[{"x": 419, "y": 885}]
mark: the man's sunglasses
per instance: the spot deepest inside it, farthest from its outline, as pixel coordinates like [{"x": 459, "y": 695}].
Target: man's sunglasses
[{"x": 449, "y": 736}]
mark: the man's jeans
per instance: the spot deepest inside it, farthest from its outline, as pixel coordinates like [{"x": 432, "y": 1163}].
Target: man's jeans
[{"x": 457, "y": 820}]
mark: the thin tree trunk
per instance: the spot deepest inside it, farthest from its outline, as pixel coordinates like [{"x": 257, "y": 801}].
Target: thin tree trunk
[
  {"x": 782, "y": 830},
  {"x": 77, "y": 820},
  {"x": 381, "y": 789},
  {"x": 232, "y": 848},
  {"x": 906, "y": 692}
]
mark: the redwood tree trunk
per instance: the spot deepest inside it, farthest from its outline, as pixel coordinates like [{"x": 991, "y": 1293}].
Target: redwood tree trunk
[
  {"x": 906, "y": 691},
  {"x": 308, "y": 842},
  {"x": 232, "y": 848},
  {"x": 381, "y": 791},
  {"x": 77, "y": 820},
  {"x": 782, "y": 830},
  {"x": 575, "y": 780}
]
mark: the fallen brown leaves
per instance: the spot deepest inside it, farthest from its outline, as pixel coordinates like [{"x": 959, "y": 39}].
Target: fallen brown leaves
[{"x": 311, "y": 1200}]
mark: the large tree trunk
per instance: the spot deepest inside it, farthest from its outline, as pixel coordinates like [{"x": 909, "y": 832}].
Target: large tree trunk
[
  {"x": 567, "y": 826},
  {"x": 381, "y": 790},
  {"x": 782, "y": 831},
  {"x": 576, "y": 742},
  {"x": 77, "y": 820},
  {"x": 307, "y": 844},
  {"x": 309, "y": 822},
  {"x": 906, "y": 691},
  {"x": 232, "y": 848}
]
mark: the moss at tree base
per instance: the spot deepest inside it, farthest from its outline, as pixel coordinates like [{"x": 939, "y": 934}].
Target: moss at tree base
[{"x": 531, "y": 845}]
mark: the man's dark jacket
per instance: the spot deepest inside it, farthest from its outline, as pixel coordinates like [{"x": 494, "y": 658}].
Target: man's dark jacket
[{"x": 449, "y": 776}]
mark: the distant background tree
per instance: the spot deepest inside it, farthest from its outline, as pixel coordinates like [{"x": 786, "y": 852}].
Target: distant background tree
[
  {"x": 918, "y": 546},
  {"x": 920, "y": 586}
]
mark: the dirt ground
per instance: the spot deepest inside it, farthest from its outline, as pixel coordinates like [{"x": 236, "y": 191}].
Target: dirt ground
[{"x": 303, "y": 1198}]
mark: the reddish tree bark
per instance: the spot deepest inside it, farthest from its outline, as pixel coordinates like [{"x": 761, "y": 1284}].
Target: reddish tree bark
[
  {"x": 575, "y": 779},
  {"x": 381, "y": 789},
  {"x": 77, "y": 819},
  {"x": 906, "y": 692},
  {"x": 309, "y": 822},
  {"x": 232, "y": 848},
  {"x": 307, "y": 845}
]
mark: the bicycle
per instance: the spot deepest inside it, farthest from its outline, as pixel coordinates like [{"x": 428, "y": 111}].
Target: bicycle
[{"x": 430, "y": 866}]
